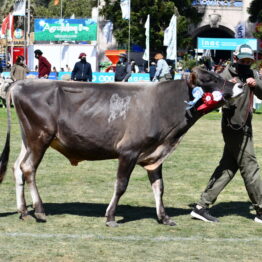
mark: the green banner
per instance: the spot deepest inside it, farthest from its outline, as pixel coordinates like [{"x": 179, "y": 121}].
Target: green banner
[{"x": 65, "y": 30}]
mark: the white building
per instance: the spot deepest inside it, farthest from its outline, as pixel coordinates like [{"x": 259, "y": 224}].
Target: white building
[{"x": 223, "y": 19}]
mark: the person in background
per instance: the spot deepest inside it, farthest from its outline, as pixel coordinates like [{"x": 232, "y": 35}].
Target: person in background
[
  {"x": 55, "y": 71},
  {"x": 8, "y": 66},
  {"x": 44, "y": 67},
  {"x": 19, "y": 69},
  {"x": 162, "y": 69},
  {"x": 123, "y": 69},
  {"x": 134, "y": 66},
  {"x": 239, "y": 153},
  {"x": 82, "y": 70},
  {"x": 260, "y": 72},
  {"x": 68, "y": 69},
  {"x": 152, "y": 70},
  {"x": 1, "y": 67}
]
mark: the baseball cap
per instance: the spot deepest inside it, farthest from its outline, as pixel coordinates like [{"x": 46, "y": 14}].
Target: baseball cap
[
  {"x": 244, "y": 51},
  {"x": 82, "y": 54}
]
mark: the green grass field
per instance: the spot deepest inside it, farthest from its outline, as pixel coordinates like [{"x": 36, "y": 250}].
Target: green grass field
[{"x": 75, "y": 200}]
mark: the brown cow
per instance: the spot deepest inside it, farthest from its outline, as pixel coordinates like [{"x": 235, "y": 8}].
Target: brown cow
[{"x": 137, "y": 123}]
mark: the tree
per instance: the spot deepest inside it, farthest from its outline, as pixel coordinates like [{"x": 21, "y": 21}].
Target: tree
[
  {"x": 6, "y": 6},
  {"x": 255, "y": 11},
  {"x": 80, "y": 8},
  {"x": 161, "y": 12},
  {"x": 46, "y": 8}
]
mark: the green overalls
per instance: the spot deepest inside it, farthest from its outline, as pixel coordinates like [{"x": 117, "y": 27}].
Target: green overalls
[{"x": 239, "y": 148}]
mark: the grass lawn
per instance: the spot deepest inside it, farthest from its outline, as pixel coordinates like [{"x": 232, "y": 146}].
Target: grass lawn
[{"x": 75, "y": 200}]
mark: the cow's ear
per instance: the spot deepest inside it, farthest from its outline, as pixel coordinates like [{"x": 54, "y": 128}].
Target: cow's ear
[{"x": 192, "y": 79}]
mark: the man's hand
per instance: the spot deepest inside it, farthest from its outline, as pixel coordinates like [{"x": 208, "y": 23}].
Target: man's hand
[{"x": 251, "y": 82}]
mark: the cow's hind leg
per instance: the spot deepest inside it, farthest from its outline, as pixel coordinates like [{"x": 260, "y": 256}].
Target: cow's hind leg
[
  {"x": 20, "y": 182},
  {"x": 156, "y": 180},
  {"x": 125, "y": 169},
  {"x": 29, "y": 166}
]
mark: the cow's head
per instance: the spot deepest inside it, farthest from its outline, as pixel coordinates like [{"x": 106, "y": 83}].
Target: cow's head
[{"x": 212, "y": 89}]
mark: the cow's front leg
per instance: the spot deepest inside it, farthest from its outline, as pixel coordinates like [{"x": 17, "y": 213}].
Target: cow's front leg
[
  {"x": 157, "y": 184},
  {"x": 125, "y": 169},
  {"x": 20, "y": 182}
]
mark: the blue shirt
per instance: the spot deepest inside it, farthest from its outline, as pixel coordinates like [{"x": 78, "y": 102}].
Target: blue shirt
[{"x": 162, "y": 68}]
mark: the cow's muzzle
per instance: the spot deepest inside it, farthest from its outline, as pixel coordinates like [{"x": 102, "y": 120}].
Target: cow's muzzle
[{"x": 236, "y": 92}]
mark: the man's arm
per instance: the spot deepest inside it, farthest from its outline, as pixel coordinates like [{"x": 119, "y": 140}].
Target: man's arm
[
  {"x": 12, "y": 73},
  {"x": 158, "y": 69},
  {"x": 48, "y": 65},
  {"x": 73, "y": 74},
  {"x": 256, "y": 84},
  {"x": 128, "y": 73},
  {"x": 90, "y": 73}
]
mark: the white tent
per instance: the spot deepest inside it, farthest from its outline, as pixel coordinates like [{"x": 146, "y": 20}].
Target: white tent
[{"x": 62, "y": 55}]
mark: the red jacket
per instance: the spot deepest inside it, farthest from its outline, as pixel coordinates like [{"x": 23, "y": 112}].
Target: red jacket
[{"x": 44, "y": 67}]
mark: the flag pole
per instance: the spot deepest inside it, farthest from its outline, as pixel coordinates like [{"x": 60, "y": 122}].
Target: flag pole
[
  {"x": 129, "y": 32},
  {"x": 11, "y": 36},
  {"x": 148, "y": 43},
  {"x": 28, "y": 27},
  {"x": 61, "y": 9},
  {"x": 98, "y": 37}
]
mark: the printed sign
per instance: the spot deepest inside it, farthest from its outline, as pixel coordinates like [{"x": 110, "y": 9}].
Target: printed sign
[
  {"x": 103, "y": 77},
  {"x": 236, "y": 3},
  {"x": 225, "y": 43},
  {"x": 139, "y": 77},
  {"x": 65, "y": 29}
]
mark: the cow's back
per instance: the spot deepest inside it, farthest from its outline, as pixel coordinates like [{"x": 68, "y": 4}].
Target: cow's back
[{"x": 99, "y": 121}]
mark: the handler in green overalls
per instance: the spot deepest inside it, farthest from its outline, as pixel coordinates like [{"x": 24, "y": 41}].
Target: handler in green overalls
[{"x": 237, "y": 133}]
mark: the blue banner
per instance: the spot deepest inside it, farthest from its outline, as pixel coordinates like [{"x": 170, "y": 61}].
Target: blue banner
[
  {"x": 64, "y": 76},
  {"x": 139, "y": 77},
  {"x": 98, "y": 77},
  {"x": 103, "y": 77},
  {"x": 5, "y": 75},
  {"x": 225, "y": 43}
]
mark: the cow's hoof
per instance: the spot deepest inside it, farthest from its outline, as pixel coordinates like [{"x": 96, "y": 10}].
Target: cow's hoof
[
  {"x": 111, "y": 224},
  {"x": 25, "y": 216},
  {"x": 40, "y": 217},
  {"x": 167, "y": 221}
]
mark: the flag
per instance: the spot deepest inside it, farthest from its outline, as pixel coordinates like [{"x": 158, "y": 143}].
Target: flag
[
  {"x": 147, "y": 34},
  {"x": 125, "y": 7},
  {"x": 8, "y": 26},
  {"x": 107, "y": 31},
  {"x": 5, "y": 25},
  {"x": 19, "y": 8},
  {"x": 56, "y": 2},
  {"x": 207, "y": 53},
  {"x": 170, "y": 39},
  {"x": 240, "y": 30}
]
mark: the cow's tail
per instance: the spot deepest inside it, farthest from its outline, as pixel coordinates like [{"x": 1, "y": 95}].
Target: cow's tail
[{"x": 5, "y": 154}]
